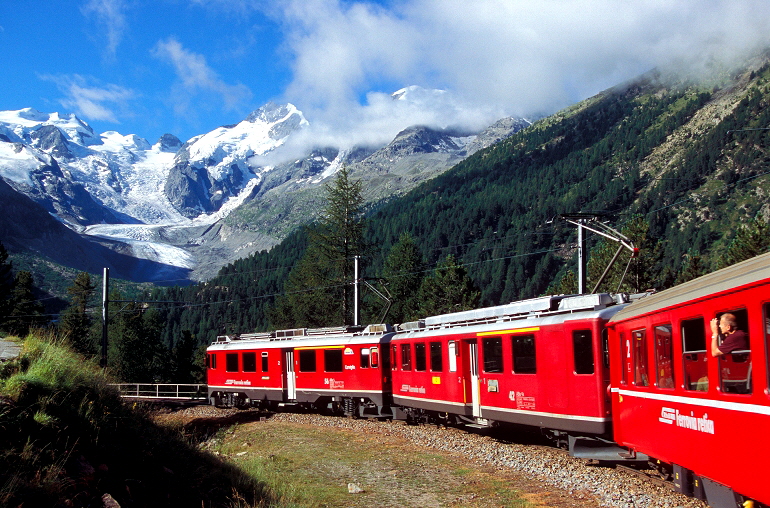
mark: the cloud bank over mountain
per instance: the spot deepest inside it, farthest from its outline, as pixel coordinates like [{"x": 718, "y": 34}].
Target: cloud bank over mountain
[{"x": 520, "y": 58}]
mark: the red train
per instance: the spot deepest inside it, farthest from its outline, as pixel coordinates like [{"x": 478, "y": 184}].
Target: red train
[{"x": 612, "y": 380}]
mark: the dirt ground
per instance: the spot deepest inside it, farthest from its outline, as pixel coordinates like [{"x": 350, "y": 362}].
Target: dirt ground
[{"x": 308, "y": 465}]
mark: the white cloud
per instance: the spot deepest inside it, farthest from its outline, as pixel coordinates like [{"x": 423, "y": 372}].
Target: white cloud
[
  {"x": 92, "y": 101},
  {"x": 195, "y": 77},
  {"x": 499, "y": 55},
  {"x": 110, "y": 15}
]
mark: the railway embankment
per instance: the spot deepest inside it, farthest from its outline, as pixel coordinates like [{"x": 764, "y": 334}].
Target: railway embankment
[{"x": 67, "y": 439}]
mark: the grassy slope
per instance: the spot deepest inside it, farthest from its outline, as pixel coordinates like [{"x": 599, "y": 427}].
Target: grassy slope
[{"x": 66, "y": 439}]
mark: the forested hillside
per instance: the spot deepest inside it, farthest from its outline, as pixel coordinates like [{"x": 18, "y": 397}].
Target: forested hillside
[{"x": 682, "y": 165}]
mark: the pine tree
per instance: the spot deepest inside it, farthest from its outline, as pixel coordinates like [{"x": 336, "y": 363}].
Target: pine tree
[
  {"x": 566, "y": 285},
  {"x": 76, "y": 322},
  {"x": 448, "y": 289},
  {"x": 184, "y": 354},
  {"x": 692, "y": 268},
  {"x": 319, "y": 291},
  {"x": 135, "y": 353},
  {"x": 402, "y": 273},
  {"x": 750, "y": 240},
  {"x": 25, "y": 311},
  {"x": 6, "y": 284}
]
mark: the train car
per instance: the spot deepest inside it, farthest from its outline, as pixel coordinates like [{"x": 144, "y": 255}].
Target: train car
[
  {"x": 704, "y": 418},
  {"x": 346, "y": 369},
  {"x": 541, "y": 362}
]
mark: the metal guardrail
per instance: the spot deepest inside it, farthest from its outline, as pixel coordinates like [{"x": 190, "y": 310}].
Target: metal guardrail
[{"x": 164, "y": 391}]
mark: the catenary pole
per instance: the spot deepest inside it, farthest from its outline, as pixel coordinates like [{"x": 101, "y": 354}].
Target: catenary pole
[{"x": 105, "y": 302}]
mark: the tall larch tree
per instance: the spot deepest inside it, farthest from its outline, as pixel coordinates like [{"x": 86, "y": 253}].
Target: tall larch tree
[{"x": 319, "y": 291}]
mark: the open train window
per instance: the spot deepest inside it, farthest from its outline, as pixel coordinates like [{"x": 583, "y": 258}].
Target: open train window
[
  {"x": 249, "y": 361},
  {"x": 641, "y": 372},
  {"x": 735, "y": 366},
  {"x": 493, "y": 354},
  {"x": 332, "y": 360},
  {"x": 231, "y": 362},
  {"x": 664, "y": 357},
  {"x": 583, "y": 349},
  {"x": 453, "y": 356},
  {"x": 363, "y": 358},
  {"x": 436, "y": 357},
  {"x": 394, "y": 359},
  {"x": 406, "y": 356},
  {"x": 264, "y": 361},
  {"x": 695, "y": 359},
  {"x": 419, "y": 356},
  {"x": 307, "y": 360},
  {"x": 211, "y": 361},
  {"x": 524, "y": 358}
]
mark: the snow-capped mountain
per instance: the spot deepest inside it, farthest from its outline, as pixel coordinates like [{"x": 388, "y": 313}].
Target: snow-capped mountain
[
  {"x": 213, "y": 199},
  {"x": 213, "y": 167}
]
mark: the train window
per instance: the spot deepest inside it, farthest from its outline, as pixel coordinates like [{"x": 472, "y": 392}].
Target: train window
[
  {"x": 249, "y": 362},
  {"x": 419, "y": 356},
  {"x": 641, "y": 376},
  {"x": 264, "y": 361},
  {"x": 332, "y": 360},
  {"x": 436, "y": 357},
  {"x": 307, "y": 360},
  {"x": 406, "y": 356},
  {"x": 493, "y": 354},
  {"x": 695, "y": 359},
  {"x": 231, "y": 362},
  {"x": 524, "y": 358},
  {"x": 363, "y": 358},
  {"x": 452, "y": 356},
  {"x": 664, "y": 357},
  {"x": 374, "y": 357},
  {"x": 735, "y": 367},
  {"x": 583, "y": 348},
  {"x": 394, "y": 354}
]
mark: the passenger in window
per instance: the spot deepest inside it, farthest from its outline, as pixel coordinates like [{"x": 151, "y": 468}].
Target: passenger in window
[{"x": 725, "y": 335}]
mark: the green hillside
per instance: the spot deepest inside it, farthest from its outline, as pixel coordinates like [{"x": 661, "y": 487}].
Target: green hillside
[{"x": 684, "y": 159}]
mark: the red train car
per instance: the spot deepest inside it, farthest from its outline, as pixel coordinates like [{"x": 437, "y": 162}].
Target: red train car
[
  {"x": 705, "y": 418},
  {"x": 345, "y": 369},
  {"x": 539, "y": 362}
]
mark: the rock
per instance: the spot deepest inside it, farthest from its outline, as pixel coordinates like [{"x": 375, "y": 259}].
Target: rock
[
  {"x": 354, "y": 489},
  {"x": 109, "y": 501}
]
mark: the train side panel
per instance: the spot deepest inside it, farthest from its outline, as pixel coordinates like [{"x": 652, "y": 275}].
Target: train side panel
[
  {"x": 351, "y": 370},
  {"x": 674, "y": 401},
  {"x": 539, "y": 362}
]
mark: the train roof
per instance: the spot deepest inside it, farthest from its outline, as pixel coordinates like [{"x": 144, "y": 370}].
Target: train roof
[
  {"x": 545, "y": 310},
  {"x": 737, "y": 275},
  {"x": 304, "y": 337}
]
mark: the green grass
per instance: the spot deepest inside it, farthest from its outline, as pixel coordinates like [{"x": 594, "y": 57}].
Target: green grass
[
  {"x": 66, "y": 438},
  {"x": 312, "y": 466}
]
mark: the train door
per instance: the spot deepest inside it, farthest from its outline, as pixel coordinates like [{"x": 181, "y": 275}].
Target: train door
[
  {"x": 473, "y": 376},
  {"x": 288, "y": 374}
]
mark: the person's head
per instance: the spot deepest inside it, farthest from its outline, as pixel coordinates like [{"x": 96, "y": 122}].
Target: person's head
[{"x": 728, "y": 323}]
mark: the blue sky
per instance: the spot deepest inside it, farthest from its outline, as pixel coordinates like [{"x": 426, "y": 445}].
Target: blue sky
[{"x": 148, "y": 67}]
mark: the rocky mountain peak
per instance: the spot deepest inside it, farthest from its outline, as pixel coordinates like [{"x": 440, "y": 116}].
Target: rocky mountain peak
[{"x": 169, "y": 143}]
